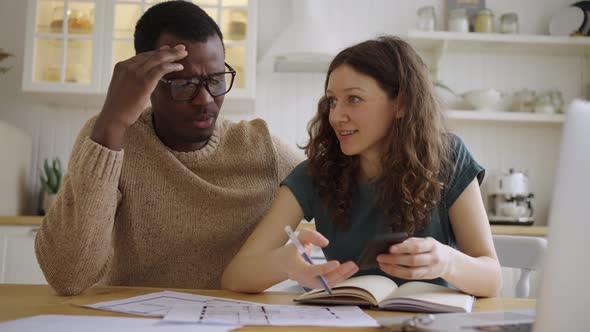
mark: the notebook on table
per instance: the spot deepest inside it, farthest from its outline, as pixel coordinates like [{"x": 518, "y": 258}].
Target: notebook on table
[{"x": 380, "y": 292}]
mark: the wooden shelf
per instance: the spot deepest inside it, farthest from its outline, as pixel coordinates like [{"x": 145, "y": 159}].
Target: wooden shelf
[
  {"x": 503, "y": 116},
  {"x": 495, "y": 42}
]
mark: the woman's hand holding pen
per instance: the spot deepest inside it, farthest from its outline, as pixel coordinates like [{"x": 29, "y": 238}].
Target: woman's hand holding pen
[
  {"x": 130, "y": 89},
  {"x": 417, "y": 258},
  {"x": 307, "y": 274}
]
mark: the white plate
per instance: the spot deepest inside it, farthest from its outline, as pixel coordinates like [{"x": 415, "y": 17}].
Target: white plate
[{"x": 566, "y": 21}]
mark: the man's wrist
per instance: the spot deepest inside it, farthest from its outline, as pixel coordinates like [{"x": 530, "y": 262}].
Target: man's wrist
[{"x": 108, "y": 133}]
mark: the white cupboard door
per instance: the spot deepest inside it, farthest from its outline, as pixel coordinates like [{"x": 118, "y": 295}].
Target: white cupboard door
[{"x": 19, "y": 263}]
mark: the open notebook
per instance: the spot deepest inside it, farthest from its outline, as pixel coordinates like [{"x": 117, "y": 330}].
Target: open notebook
[{"x": 383, "y": 293}]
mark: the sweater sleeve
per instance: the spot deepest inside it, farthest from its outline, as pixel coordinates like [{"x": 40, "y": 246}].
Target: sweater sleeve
[
  {"x": 74, "y": 244},
  {"x": 287, "y": 157}
]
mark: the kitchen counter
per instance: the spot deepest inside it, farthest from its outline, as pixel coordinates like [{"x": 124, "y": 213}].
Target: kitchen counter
[
  {"x": 21, "y": 220},
  {"x": 519, "y": 230},
  {"x": 496, "y": 229}
]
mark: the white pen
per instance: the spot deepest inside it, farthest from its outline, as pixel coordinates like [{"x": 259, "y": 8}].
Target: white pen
[{"x": 301, "y": 250}]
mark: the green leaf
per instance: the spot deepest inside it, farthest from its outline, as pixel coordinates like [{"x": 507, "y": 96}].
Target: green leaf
[
  {"x": 58, "y": 173},
  {"x": 44, "y": 184},
  {"x": 52, "y": 181},
  {"x": 46, "y": 167},
  {"x": 57, "y": 165}
]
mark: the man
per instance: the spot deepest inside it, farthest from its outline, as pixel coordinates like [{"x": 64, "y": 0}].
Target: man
[{"x": 165, "y": 196}]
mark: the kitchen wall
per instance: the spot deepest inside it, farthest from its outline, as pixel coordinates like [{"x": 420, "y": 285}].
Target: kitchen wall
[{"x": 287, "y": 101}]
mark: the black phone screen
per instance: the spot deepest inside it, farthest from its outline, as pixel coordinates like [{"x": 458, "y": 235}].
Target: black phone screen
[{"x": 378, "y": 245}]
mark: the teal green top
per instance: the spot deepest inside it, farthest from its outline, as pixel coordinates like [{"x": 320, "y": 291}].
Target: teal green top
[{"x": 367, "y": 220}]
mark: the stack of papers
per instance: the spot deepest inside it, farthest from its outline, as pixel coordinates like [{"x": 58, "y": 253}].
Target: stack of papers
[
  {"x": 200, "y": 309},
  {"x": 182, "y": 312}
]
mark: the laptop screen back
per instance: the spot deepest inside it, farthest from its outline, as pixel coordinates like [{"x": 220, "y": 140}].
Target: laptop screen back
[{"x": 564, "y": 303}]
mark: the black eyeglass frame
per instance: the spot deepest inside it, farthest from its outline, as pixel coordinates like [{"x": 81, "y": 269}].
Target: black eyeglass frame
[{"x": 200, "y": 81}]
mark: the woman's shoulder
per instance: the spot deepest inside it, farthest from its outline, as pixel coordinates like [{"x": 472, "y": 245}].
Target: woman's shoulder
[
  {"x": 459, "y": 153},
  {"x": 300, "y": 173}
]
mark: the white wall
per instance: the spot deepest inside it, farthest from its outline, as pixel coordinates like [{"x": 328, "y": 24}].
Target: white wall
[{"x": 287, "y": 101}]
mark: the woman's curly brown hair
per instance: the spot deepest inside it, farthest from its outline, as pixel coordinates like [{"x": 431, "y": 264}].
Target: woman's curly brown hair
[{"x": 416, "y": 161}]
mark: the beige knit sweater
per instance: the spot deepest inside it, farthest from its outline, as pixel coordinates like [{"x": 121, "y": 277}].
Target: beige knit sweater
[{"x": 151, "y": 216}]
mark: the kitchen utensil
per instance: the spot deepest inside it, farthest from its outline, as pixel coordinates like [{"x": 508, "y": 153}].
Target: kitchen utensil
[
  {"x": 512, "y": 209},
  {"x": 567, "y": 21},
  {"x": 509, "y": 199},
  {"x": 483, "y": 99}
]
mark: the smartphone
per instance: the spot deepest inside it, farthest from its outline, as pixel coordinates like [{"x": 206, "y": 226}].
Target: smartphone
[{"x": 378, "y": 245}]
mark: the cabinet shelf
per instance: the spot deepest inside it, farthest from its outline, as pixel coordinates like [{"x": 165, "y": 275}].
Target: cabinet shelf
[
  {"x": 495, "y": 42},
  {"x": 503, "y": 116}
]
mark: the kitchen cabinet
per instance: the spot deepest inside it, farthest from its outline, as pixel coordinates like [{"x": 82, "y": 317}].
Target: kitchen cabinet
[
  {"x": 73, "y": 45},
  {"x": 18, "y": 264}
]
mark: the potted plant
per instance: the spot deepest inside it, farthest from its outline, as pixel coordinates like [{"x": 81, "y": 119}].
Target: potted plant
[
  {"x": 4, "y": 55},
  {"x": 51, "y": 177}
]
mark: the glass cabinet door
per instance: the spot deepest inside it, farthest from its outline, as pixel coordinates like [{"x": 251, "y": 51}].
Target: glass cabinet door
[
  {"x": 73, "y": 45},
  {"x": 62, "y": 53},
  {"x": 232, "y": 16}
]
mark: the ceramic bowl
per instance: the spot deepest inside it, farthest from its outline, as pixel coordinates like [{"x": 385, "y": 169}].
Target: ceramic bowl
[{"x": 483, "y": 99}]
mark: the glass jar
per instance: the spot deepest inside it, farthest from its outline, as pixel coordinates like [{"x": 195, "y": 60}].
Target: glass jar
[
  {"x": 556, "y": 99},
  {"x": 426, "y": 18},
  {"x": 57, "y": 20},
  {"x": 458, "y": 21},
  {"x": 544, "y": 104},
  {"x": 524, "y": 101},
  {"x": 509, "y": 23},
  {"x": 484, "y": 21}
]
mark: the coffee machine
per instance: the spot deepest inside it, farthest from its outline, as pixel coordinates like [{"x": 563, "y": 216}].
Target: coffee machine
[{"x": 509, "y": 199}]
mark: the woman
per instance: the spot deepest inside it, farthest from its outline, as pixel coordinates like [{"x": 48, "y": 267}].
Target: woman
[{"x": 379, "y": 160}]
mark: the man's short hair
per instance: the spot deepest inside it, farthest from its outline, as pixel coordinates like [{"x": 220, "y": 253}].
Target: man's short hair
[{"x": 182, "y": 19}]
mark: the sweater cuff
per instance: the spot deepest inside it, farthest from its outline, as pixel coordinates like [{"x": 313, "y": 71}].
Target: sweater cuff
[{"x": 98, "y": 161}]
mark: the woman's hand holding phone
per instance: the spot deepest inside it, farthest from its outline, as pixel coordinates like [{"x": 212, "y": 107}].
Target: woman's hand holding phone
[{"x": 417, "y": 258}]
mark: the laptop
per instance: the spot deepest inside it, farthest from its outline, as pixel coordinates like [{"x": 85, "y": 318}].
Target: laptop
[{"x": 564, "y": 302}]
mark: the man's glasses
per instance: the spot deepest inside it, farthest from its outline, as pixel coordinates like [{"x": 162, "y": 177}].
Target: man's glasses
[{"x": 188, "y": 88}]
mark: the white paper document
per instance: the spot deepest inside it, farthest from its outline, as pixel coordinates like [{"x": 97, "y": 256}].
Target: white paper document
[
  {"x": 66, "y": 323},
  {"x": 276, "y": 315},
  {"x": 158, "y": 304}
]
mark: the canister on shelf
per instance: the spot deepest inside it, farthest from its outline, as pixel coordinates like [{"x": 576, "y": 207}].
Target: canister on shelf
[
  {"x": 484, "y": 21},
  {"x": 509, "y": 23},
  {"x": 426, "y": 18},
  {"x": 458, "y": 21}
]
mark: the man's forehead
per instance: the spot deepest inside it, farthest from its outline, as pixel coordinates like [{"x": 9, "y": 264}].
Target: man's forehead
[
  {"x": 171, "y": 40},
  {"x": 203, "y": 57}
]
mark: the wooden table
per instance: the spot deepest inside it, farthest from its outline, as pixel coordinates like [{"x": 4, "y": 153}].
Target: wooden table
[{"x": 18, "y": 301}]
